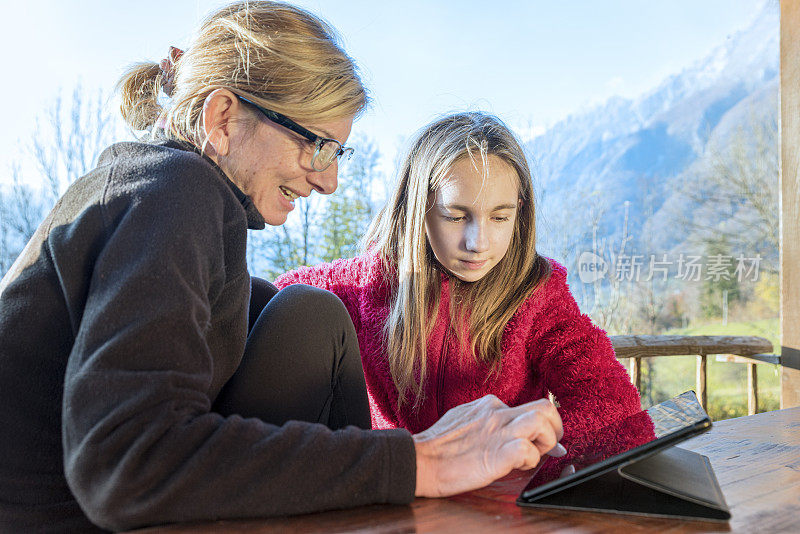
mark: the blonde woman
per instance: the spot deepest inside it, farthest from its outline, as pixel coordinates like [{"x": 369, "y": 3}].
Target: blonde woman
[
  {"x": 451, "y": 301},
  {"x": 126, "y": 315}
]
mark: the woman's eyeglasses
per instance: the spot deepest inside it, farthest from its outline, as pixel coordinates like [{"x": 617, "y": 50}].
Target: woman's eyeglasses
[{"x": 326, "y": 149}]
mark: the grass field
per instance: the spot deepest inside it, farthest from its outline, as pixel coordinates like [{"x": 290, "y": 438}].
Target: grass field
[{"x": 665, "y": 377}]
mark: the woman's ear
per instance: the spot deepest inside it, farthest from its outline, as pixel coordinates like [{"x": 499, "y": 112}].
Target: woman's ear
[{"x": 218, "y": 110}]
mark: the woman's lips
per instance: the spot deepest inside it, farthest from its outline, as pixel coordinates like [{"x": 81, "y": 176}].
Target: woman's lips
[{"x": 288, "y": 196}]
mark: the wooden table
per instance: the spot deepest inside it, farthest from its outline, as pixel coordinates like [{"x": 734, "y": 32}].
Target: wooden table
[{"x": 756, "y": 460}]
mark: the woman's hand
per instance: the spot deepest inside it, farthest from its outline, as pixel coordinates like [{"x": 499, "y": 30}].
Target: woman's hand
[{"x": 476, "y": 443}]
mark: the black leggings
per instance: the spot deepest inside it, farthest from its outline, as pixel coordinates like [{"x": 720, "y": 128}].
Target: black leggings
[{"x": 301, "y": 361}]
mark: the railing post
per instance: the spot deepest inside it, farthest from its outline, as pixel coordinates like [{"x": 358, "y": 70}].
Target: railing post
[
  {"x": 701, "y": 380},
  {"x": 636, "y": 373},
  {"x": 752, "y": 389}
]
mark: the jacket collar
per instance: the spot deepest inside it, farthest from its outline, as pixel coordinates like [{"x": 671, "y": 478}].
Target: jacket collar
[{"x": 255, "y": 221}]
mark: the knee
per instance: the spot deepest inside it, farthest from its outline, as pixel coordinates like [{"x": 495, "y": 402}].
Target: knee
[{"x": 314, "y": 303}]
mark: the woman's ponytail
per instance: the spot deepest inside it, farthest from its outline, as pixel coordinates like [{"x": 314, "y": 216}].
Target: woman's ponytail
[{"x": 139, "y": 88}]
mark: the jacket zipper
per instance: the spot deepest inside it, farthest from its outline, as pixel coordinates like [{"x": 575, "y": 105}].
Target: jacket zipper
[
  {"x": 440, "y": 375},
  {"x": 445, "y": 289}
]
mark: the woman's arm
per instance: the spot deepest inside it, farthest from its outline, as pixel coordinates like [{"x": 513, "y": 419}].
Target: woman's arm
[{"x": 141, "y": 446}]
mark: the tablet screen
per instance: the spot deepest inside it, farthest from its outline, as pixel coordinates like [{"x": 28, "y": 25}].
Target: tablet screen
[{"x": 668, "y": 421}]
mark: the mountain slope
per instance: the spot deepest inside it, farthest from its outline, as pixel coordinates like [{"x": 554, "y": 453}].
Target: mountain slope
[{"x": 642, "y": 151}]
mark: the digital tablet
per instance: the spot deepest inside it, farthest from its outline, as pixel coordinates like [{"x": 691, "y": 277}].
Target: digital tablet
[{"x": 635, "y": 437}]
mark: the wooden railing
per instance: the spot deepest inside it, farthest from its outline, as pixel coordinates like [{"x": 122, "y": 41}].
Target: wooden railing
[{"x": 750, "y": 350}]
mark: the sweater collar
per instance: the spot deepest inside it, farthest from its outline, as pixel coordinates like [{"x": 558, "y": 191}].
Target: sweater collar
[{"x": 255, "y": 221}]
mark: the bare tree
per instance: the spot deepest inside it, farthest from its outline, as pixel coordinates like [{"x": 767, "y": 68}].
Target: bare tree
[
  {"x": 612, "y": 303},
  {"x": 65, "y": 145},
  {"x": 735, "y": 194}
]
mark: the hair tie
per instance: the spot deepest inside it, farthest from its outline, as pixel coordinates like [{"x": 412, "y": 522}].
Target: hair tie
[{"x": 168, "y": 70}]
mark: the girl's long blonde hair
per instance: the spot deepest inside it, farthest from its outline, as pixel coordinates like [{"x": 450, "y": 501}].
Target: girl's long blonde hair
[
  {"x": 277, "y": 55},
  {"x": 398, "y": 234}
]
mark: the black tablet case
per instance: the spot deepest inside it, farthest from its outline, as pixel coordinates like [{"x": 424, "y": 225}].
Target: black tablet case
[{"x": 673, "y": 482}]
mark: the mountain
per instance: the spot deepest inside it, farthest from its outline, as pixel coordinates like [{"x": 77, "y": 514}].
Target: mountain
[{"x": 634, "y": 155}]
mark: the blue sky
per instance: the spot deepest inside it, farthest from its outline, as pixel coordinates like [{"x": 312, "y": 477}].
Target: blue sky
[{"x": 531, "y": 62}]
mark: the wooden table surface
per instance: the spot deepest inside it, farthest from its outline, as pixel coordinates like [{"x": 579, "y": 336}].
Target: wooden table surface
[{"x": 756, "y": 460}]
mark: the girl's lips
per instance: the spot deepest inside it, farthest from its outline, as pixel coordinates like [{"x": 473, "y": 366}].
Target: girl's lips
[{"x": 473, "y": 264}]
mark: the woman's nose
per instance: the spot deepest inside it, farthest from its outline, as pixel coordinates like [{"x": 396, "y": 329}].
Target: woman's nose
[{"x": 324, "y": 182}]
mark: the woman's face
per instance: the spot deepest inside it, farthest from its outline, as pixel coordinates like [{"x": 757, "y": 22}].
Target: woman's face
[
  {"x": 272, "y": 165},
  {"x": 470, "y": 220}
]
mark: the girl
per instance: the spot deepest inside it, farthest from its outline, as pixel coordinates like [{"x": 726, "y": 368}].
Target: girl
[{"x": 451, "y": 300}]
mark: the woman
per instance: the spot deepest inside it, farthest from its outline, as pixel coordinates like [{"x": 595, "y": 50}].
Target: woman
[
  {"x": 127, "y": 313},
  {"x": 451, "y": 301}
]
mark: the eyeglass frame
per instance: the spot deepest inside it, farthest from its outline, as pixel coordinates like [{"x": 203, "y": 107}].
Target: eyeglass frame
[{"x": 316, "y": 140}]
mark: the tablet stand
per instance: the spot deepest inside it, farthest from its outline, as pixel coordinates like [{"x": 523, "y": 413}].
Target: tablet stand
[{"x": 671, "y": 483}]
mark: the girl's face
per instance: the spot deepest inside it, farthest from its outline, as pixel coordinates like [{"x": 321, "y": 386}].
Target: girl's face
[{"x": 470, "y": 220}]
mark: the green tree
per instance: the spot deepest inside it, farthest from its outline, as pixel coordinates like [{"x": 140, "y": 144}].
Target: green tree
[
  {"x": 321, "y": 228},
  {"x": 348, "y": 213}
]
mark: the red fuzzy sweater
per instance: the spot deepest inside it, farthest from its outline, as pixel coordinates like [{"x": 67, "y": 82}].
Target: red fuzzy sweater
[{"x": 548, "y": 345}]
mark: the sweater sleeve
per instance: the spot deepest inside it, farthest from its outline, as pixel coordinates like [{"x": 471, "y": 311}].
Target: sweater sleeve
[
  {"x": 579, "y": 366},
  {"x": 329, "y": 276},
  {"x": 141, "y": 446}
]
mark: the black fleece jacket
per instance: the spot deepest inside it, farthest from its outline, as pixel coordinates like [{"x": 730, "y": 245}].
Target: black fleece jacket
[{"x": 119, "y": 323}]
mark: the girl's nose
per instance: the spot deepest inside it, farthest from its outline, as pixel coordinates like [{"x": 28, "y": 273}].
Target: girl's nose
[{"x": 476, "y": 238}]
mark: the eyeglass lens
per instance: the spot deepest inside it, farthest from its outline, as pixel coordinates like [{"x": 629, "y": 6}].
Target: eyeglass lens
[{"x": 325, "y": 154}]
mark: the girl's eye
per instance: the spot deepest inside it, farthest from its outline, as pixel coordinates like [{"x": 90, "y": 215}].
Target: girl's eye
[
  {"x": 454, "y": 219},
  {"x": 501, "y": 219}
]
